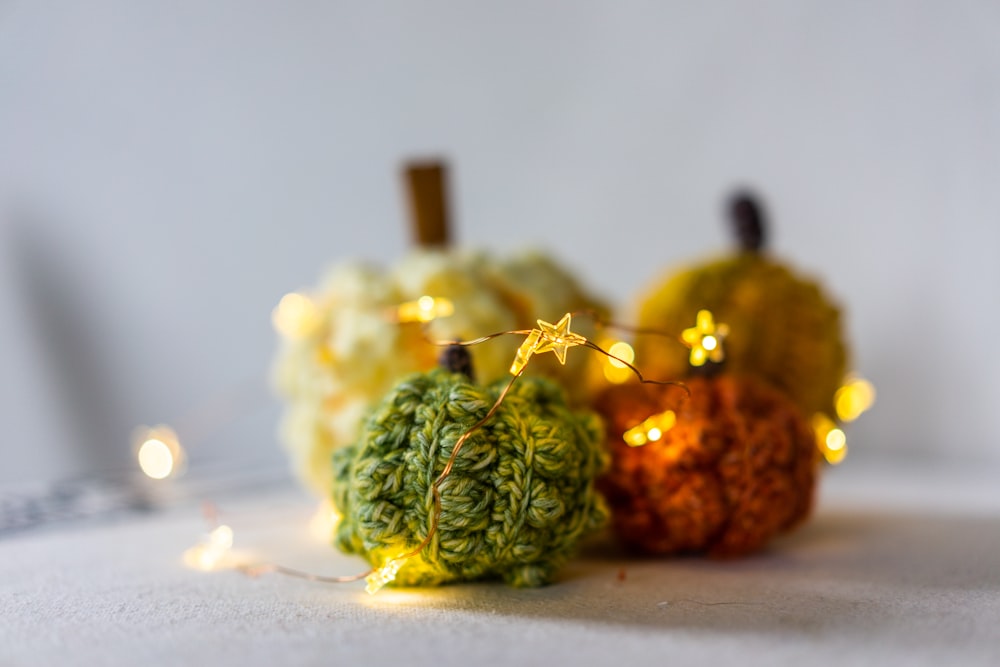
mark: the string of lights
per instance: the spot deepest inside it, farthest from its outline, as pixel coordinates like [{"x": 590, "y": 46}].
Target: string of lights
[
  {"x": 557, "y": 338},
  {"x": 547, "y": 337},
  {"x": 161, "y": 456}
]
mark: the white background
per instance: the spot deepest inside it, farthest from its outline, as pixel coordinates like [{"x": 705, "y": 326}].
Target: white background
[{"x": 168, "y": 171}]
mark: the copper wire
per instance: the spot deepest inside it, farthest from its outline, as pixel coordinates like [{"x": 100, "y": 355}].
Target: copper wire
[{"x": 265, "y": 568}]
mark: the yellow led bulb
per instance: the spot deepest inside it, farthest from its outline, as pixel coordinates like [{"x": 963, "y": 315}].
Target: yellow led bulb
[
  {"x": 383, "y": 575},
  {"x": 424, "y": 309},
  {"x": 650, "y": 430},
  {"x": 705, "y": 339}
]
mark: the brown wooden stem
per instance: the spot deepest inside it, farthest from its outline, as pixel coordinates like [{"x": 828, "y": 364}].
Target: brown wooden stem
[{"x": 426, "y": 184}]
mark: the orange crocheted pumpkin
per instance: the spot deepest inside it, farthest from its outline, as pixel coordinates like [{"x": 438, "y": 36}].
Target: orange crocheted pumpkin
[{"x": 737, "y": 467}]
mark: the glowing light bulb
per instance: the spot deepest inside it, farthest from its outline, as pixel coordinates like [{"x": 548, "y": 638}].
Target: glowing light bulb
[
  {"x": 705, "y": 339},
  {"x": 836, "y": 440},
  {"x": 210, "y": 553},
  {"x": 383, "y": 575},
  {"x": 831, "y": 441},
  {"x": 159, "y": 452},
  {"x": 622, "y": 350},
  {"x": 424, "y": 309},
  {"x": 615, "y": 371},
  {"x": 221, "y": 538},
  {"x": 295, "y": 316},
  {"x": 155, "y": 459},
  {"x": 650, "y": 430},
  {"x": 854, "y": 398}
]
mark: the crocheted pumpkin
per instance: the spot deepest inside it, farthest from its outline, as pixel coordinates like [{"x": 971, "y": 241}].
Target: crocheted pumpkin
[
  {"x": 783, "y": 328},
  {"x": 520, "y": 496},
  {"x": 737, "y": 468},
  {"x": 331, "y": 374}
]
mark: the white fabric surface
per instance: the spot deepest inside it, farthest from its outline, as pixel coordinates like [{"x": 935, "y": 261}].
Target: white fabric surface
[{"x": 899, "y": 566}]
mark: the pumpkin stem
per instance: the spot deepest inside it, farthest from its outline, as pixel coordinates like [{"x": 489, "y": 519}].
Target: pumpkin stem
[
  {"x": 456, "y": 358},
  {"x": 426, "y": 184},
  {"x": 748, "y": 221}
]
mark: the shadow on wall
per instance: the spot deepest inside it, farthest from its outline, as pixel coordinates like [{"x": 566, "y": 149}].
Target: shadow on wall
[{"x": 50, "y": 282}]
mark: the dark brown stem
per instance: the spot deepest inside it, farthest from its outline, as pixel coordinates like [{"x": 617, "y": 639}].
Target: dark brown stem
[
  {"x": 426, "y": 184},
  {"x": 749, "y": 223},
  {"x": 456, "y": 358}
]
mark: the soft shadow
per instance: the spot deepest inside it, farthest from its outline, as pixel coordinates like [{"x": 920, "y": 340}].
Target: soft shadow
[
  {"x": 857, "y": 573},
  {"x": 53, "y": 283}
]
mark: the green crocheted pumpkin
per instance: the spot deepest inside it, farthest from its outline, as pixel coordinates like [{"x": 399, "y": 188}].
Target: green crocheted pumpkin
[
  {"x": 518, "y": 500},
  {"x": 782, "y": 327}
]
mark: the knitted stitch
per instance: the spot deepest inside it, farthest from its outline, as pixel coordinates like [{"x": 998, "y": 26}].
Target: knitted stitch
[
  {"x": 518, "y": 500},
  {"x": 737, "y": 468}
]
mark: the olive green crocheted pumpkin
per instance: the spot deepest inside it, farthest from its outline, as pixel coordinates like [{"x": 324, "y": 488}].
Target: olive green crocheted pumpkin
[
  {"x": 518, "y": 500},
  {"x": 782, "y": 327}
]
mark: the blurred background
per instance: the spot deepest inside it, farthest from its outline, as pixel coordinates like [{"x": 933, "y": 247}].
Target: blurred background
[{"x": 168, "y": 171}]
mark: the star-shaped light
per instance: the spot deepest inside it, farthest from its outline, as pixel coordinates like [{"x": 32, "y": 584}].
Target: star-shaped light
[
  {"x": 548, "y": 337},
  {"x": 383, "y": 575},
  {"x": 705, "y": 339}
]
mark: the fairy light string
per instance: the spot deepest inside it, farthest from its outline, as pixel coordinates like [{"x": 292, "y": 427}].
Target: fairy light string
[
  {"x": 557, "y": 338},
  {"x": 547, "y": 337},
  {"x": 706, "y": 342}
]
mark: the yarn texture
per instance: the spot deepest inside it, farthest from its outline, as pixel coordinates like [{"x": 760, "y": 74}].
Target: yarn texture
[
  {"x": 782, "y": 328},
  {"x": 520, "y": 496},
  {"x": 331, "y": 376},
  {"x": 738, "y": 467}
]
